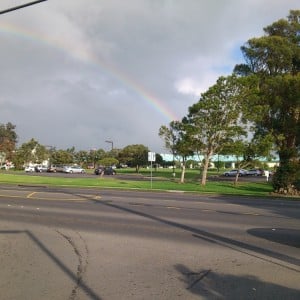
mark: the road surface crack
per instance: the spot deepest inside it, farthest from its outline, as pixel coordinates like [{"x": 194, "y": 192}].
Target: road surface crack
[{"x": 82, "y": 263}]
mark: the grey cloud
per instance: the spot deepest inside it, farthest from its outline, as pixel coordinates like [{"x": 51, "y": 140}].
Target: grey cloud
[{"x": 77, "y": 72}]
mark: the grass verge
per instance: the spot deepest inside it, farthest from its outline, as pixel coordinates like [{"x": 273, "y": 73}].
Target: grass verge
[{"x": 215, "y": 187}]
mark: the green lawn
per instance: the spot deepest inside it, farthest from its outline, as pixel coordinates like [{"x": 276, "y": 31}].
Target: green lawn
[{"x": 162, "y": 180}]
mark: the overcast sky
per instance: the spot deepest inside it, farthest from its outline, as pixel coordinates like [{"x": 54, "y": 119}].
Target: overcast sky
[{"x": 81, "y": 72}]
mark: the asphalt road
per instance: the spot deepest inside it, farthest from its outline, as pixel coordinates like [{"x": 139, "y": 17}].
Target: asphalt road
[{"x": 106, "y": 244}]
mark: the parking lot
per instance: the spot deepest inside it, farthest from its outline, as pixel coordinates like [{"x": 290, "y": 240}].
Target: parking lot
[{"x": 125, "y": 176}]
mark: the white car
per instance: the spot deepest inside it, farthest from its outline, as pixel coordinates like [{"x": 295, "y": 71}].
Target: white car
[
  {"x": 29, "y": 169},
  {"x": 73, "y": 169}
]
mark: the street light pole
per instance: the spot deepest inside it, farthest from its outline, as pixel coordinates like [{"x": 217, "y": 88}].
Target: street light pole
[
  {"x": 20, "y": 6},
  {"x": 51, "y": 149},
  {"x": 112, "y": 144}
]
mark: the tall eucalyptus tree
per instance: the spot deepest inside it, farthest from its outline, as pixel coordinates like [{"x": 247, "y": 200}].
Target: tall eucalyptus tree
[
  {"x": 216, "y": 118},
  {"x": 178, "y": 142},
  {"x": 273, "y": 62}
]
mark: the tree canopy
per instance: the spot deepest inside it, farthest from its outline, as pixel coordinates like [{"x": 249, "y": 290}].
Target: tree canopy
[
  {"x": 8, "y": 139},
  {"x": 178, "y": 142},
  {"x": 134, "y": 156},
  {"x": 273, "y": 62},
  {"x": 30, "y": 152},
  {"x": 216, "y": 118}
]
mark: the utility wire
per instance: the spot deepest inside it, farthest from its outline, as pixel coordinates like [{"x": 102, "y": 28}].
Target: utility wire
[{"x": 20, "y": 6}]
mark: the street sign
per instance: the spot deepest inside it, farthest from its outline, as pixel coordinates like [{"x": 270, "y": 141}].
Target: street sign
[{"x": 151, "y": 156}]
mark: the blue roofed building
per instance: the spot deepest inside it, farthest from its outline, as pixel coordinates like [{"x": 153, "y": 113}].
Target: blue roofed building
[{"x": 228, "y": 159}]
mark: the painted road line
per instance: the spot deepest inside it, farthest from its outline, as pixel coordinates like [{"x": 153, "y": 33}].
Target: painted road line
[
  {"x": 30, "y": 195},
  {"x": 251, "y": 214},
  {"x": 173, "y": 207},
  {"x": 49, "y": 196}
]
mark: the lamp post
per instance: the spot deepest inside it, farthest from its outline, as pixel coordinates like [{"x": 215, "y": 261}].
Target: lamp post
[{"x": 112, "y": 144}]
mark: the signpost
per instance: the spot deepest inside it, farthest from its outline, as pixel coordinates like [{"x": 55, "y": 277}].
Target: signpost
[{"x": 151, "y": 158}]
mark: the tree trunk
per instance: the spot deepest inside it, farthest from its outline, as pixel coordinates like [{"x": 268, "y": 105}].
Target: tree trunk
[
  {"x": 205, "y": 168},
  {"x": 236, "y": 178},
  {"x": 182, "y": 174},
  {"x": 287, "y": 174}
]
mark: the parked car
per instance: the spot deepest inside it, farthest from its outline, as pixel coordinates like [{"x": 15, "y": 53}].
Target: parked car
[
  {"x": 40, "y": 168},
  {"x": 255, "y": 172},
  {"x": 105, "y": 171},
  {"x": 29, "y": 169},
  {"x": 51, "y": 169},
  {"x": 7, "y": 166},
  {"x": 59, "y": 168},
  {"x": 241, "y": 172},
  {"x": 73, "y": 169}
]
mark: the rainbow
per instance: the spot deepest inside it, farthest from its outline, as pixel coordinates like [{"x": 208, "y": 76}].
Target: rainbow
[{"x": 85, "y": 55}]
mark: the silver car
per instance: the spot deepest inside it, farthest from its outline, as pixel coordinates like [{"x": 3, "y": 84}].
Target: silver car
[
  {"x": 255, "y": 172},
  {"x": 73, "y": 169},
  {"x": 241, "y": 172}
]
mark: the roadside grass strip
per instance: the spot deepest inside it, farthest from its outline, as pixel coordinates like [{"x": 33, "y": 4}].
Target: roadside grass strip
[{"x": 212, "y": 187}]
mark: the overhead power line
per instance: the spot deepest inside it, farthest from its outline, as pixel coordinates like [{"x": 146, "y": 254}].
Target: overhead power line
[{"x": 20, "y": 6}]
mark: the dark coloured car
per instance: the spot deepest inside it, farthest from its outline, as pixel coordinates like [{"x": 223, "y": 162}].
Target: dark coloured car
[
  {"x": 98, "y": 170},
  {"x": 105, "y": 171}
]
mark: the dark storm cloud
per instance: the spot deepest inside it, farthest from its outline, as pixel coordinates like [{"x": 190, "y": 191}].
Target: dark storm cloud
[{"x": 77, "y": 72}]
